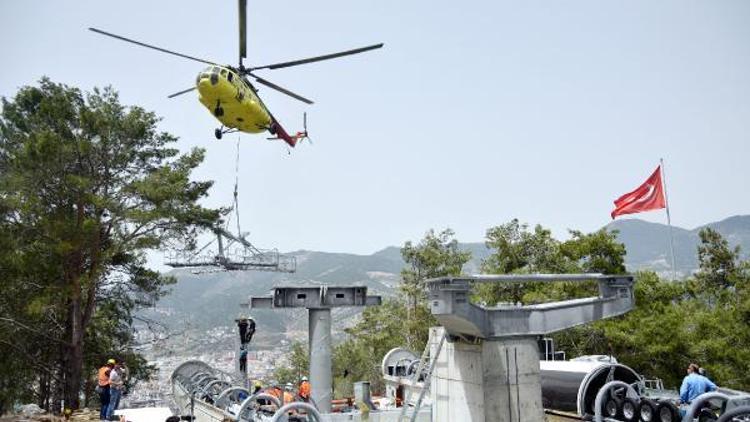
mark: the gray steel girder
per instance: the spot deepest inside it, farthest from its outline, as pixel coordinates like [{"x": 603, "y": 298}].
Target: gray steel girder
[
  {"x": 450, "y": 304},
  {"x": 316, "y": 297}
]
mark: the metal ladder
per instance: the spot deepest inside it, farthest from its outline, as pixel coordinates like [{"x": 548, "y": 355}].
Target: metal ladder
[{"x": 424, "y": 360}]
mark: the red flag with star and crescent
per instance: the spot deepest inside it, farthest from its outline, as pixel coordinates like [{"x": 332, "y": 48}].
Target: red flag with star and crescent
[{"x": 646, "y": 197}]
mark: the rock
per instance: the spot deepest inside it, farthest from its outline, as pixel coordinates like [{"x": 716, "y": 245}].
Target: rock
[
  {"x": 85, "y": 415},
  {"x": 29, "y": 410}
]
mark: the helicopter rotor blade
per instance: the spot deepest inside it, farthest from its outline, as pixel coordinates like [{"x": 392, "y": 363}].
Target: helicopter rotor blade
[
  {"x": 163, "y": 50},
  {"x": 280, "y": 89},
  {"x": 319, "y": 58},
  {"x": 243, "y": 29},
  {"x": 184, "y": 91}
]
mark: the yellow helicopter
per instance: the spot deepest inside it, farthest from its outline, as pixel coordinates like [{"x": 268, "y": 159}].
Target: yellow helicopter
[{"x": 231, "y": 98}]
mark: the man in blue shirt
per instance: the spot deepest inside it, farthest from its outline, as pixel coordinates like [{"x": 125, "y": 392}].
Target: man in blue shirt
[{"x": 694, "y": 384}]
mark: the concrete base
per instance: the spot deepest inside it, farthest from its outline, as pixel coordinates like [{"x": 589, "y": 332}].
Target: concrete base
[{"x": 493, "y": 381}]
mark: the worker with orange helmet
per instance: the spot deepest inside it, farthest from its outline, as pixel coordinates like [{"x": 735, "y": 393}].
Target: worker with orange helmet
[
  {"x": 275, "y": 390},
  {"x": 102, "y": 387},
  {"x": 304, "y": 390}
]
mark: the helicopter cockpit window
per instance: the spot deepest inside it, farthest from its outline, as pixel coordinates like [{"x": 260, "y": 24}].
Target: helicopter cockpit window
[
  {"x": 230, "y": 76},
  {"x": 224, "y": 73},
  {"x": 215, "y": 69}
]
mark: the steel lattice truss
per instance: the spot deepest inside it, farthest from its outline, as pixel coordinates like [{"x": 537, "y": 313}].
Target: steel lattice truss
[{"x": 234, "y": 253}]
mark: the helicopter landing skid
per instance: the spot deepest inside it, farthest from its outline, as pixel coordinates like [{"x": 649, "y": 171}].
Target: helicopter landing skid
[{"x": 219, "y": 132}]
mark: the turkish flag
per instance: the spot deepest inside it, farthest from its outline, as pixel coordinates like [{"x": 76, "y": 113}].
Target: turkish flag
[{"x": 646, "y": 197}]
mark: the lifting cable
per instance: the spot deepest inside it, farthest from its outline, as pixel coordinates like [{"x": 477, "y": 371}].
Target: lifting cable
[{"x": 236, "y": 183}]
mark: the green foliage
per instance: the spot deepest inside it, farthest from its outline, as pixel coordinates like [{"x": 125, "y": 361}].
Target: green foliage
[
  {"x": 719, "y": 266},
  {"x": 517, "y": 250},
  {"x": 435, "y": 255},
  {"x": 650, "y": 339},
  {"x": 380, "y": 329},
  {"x": 397, "y": 323},
  {"x": 87, "y": 185},
  {"x": 299, "y": 365},
  {"x": 597, "y": 252},
  {"x": 702, "y": 320}
]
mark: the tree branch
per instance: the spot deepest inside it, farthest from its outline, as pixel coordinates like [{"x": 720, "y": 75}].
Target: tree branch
[{"x": 27, "y": 328}]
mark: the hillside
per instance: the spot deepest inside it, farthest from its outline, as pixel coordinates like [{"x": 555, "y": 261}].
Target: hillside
[
  {"x": 647, "y": 244},
  {"x": 210, "y": 300}
]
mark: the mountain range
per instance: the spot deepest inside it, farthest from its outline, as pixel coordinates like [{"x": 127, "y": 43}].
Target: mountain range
[{"x": 213, "y": 299}]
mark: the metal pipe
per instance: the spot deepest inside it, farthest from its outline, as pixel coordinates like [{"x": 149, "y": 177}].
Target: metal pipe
[
  {"x": 699, "y": 401},
  {"x": 603, "y": 393},
  {"x": 310, "y": 409},
  {"x": 207, "y": 388},
  {"x": 523, "y": 278},
  {"x": 225, "y": 395},
  {"x": 248, "y": 402},
  {"x": 320, "y": 357}
]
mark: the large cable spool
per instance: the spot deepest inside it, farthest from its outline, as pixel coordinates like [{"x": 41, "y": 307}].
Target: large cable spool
[{"x": 571, "y": 386}]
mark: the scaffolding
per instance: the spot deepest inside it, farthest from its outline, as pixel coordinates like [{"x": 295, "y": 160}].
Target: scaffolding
[{"x": 234, "y": 253}]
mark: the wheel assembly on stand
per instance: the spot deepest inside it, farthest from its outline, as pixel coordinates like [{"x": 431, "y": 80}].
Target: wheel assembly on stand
[
  {"x": 738, "y": 414},
  {"x": 611, "y": 407},
  {"x": 707, "y": 415},
  {"x": 629, "y": 410},
  {"x": 667, "y": 412},
  {"x": 647, "y": 410}
]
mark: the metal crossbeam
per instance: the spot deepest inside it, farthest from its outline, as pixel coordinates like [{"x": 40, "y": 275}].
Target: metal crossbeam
[{"x": 450, "y": 304}]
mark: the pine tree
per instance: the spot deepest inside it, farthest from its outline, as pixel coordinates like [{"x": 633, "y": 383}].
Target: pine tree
[{"x": 87, "y": 186}]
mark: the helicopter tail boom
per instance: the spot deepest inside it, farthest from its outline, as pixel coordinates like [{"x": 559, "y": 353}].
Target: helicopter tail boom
[
  {"x": 292, "y": 140},
  {"x": 280, "y": 133}
]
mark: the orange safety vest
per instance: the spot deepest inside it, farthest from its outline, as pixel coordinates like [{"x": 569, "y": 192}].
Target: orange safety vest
[
  {"x": 288, "y": 397},
  {"x": 304, "y": 390},
  {"x": 276, "y": 392},
  {"x": 103, "y": 376}
]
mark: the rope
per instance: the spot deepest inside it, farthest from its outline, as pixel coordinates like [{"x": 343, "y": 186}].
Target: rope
[{"x": 236, "y": 183}]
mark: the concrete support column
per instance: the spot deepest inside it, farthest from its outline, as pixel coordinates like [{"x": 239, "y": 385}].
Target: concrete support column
[
  {"x": 493, "y": 381},
  {"x": 320, "y": 357}
]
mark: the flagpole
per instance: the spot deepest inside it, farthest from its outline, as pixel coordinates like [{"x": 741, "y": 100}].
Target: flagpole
[{"x": 669, "y": 220}]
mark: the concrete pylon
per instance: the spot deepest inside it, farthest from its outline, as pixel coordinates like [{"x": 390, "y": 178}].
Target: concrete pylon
[
  {"x": 321, "y": 383},
  {"x": 488, "y": 370},
  {"x": 493, "y": 380},
  {"x": 319, "y": 300}
]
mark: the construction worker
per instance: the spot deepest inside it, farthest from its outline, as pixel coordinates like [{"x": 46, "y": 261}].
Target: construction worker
[
  {"x": 288, "y": 393},
  {"x": 247, "y": 328},
  {"x": 275, "y": 390},
  {"x": 243, "y": 358},
  {"x": 116, "y": 388},
  {"x": 304, "y": 390},
  {"x": 102, "y": 387},
  {"x": 693, "y": 385},
  {"x": 257, "y": 387}
]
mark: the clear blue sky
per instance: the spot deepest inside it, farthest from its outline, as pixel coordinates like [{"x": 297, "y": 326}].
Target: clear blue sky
[{"x": 474, "y": 112}]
